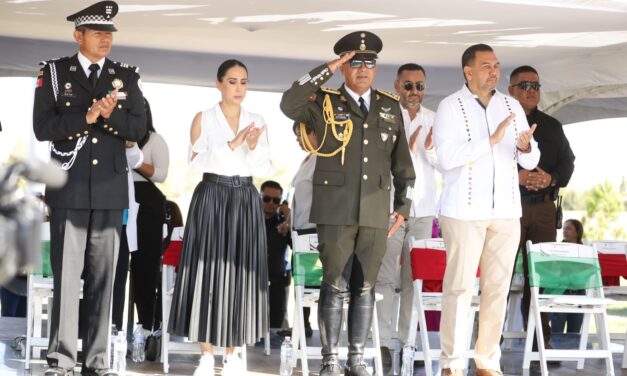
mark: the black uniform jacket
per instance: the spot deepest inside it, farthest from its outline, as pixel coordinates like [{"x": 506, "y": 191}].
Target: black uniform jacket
[{"x": 98, "y": 176}]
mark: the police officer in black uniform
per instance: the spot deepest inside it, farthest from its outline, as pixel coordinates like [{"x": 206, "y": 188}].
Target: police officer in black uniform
[
  {"x": 87, "y": 106},
  {"x": 363, "y": 152}
]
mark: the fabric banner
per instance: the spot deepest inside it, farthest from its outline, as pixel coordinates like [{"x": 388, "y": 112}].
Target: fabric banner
[
  {"x": 173, "y": 253},
  {"x": 563, "y": 273},
  {"x": 307, "y": 269}
]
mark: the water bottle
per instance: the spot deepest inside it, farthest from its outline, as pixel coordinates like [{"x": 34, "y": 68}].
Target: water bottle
[
  {"x": 286, "y": 357},
  {"x": 119, "y": 354},
  {"x": 139, "y": 343},
  {"x": 407, "y": 369}
]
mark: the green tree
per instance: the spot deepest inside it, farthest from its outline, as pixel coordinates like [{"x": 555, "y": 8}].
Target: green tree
[
  {"x": 604, "y": 205},
  {"x": 573, "y": 199}
]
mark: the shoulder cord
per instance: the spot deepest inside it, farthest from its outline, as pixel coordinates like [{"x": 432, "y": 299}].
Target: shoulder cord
[
  {"x": 79, "y": 142},
  {"x": 330, "y": 122}
]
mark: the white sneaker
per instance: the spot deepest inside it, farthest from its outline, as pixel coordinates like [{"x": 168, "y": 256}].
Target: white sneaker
[
  {"x": 233, "y": 365},
  {"x": 205, "y": 365}
]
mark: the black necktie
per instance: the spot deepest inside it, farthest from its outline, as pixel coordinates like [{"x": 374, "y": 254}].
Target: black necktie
[
  {"x": 93, "y": 76},
  {"x": 362, "y": 107}
]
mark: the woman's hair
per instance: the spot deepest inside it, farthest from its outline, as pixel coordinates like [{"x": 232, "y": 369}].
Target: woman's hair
[
  {"x": 578, "y": 229},
  {"x": 228, "y": 64},
  {"x": 149, "y": 127}
]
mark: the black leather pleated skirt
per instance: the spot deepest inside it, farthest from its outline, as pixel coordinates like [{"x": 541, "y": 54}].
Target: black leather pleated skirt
[{"x": 221, "y": 291}]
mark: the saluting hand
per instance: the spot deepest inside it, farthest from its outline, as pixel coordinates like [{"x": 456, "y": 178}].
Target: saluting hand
[
  {"x": 399, "y": 221},
  {"x": 335, "y": 64}
]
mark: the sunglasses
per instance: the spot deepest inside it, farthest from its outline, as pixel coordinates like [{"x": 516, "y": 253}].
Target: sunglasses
[
  {"x": 420, "y": 86},
  {"x": 369, "y": 63},
  {"x": 526, "y": 85},
  {"x": 276, "y": 200}
]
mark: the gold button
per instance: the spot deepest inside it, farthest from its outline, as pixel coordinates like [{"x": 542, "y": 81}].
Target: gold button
[
  {"x": 326, "y": 182},
  {"x": 94, "y": 162},
  {"x": 94, "y": 100},
  {"x": 86, "y": 132},
  {"x": 67, "y": 104},
  {"x": 105, "y": 126},
  {"x": 365, "y": 159},
  {"x": 70, "y": 138},
  {"x": 94, "y": 140},
  {"x": 115, "y": 133},
  {"x": 365, "y": 177},
  {"x": 389, "y": 128},
  {"x": 365, "y": 142},
  {"x": 78, "y": 135},
  {"x": 119, "y": 106},
  {"x": 110, "y": 129},
  {"x": 366, "y": 125}
]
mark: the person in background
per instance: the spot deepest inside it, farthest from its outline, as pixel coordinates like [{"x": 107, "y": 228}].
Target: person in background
[
  {"x": 146, "y": 261},
  {"x": 572, "y": 232},
  {"x": 221, "y": 292}
]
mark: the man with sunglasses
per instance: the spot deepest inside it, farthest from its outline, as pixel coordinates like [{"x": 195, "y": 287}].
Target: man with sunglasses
[
  {"x": 481, "y": 135},
  {"x": 410, "y": 84},
  {"x": 539, "y": 187},
  {"x": 278, "y": 235},
  {"x": 351, "y": 187}
]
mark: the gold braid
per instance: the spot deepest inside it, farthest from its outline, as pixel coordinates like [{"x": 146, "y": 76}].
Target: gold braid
[{"x": 330, "y": 122}]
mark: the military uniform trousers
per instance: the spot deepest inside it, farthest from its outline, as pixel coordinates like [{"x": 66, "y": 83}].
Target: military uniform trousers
[
  {"x": 82, "y": 242},
  {"x": 538, "y": 225},
  {"x": 491, "y": 245},
  {"x": 351, "y": 256},
  {"x": 394, "y": 275}
]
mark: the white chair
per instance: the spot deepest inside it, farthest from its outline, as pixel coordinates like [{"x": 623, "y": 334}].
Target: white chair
[
  {"x": 307, "y": 275},
  {"x": 561, "y": 266},
  {"x": 613, "y": 248},
  {"x": 183, "y": 346},
  {"x": 429, "y": 263},
  {"x": 514, "y": 327}
]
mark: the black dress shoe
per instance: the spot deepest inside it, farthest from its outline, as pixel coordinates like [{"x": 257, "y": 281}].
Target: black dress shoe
[{"x": 57, "y": 371}]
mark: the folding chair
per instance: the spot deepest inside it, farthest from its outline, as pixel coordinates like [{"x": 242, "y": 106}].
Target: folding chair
[
  {"x": 514, "y": 319},
  {"x": 428, "y": 262},
  {"x": 307, "y": 275},
  {"x": 168, "y": 279},
  {"x": 566, "y": 266},
  {"x": 614, "y": 253}
]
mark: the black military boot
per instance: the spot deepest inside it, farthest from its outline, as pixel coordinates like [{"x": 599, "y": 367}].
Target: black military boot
[
  {"x": 360, "y": 312},
  {"x": 330, "y": 322}
]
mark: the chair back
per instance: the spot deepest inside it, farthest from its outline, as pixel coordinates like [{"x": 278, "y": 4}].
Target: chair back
[
  {"x": 610, "y": 247},
  {"x": 44, "y": 268},
  {"x": 306, "y": 268},
  {"x": 172, "y": 253},
  {"x": 428, "y": 259},
  {"x": 563, "y": 266}
]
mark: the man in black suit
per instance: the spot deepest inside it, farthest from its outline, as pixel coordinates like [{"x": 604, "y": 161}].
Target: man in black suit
[{"x": 87, "y": 106}]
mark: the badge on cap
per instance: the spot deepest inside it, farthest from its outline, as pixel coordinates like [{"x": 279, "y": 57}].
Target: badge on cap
[{"x": 117, "y": 84}]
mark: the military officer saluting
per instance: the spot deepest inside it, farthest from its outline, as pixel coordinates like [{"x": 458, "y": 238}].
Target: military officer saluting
[
  {"x": 87, "y": 106},
  {"x": 363, "y": 152}
]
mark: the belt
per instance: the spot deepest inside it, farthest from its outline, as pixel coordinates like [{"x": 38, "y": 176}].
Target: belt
[
  {"x": 233, "y": 181},
  {"x": 535, "y": 199}
]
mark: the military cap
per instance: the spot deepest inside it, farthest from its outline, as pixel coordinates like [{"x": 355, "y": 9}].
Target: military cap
[
  {"x": 362, "y": 42},
  {"x": 98, "y": 16}
]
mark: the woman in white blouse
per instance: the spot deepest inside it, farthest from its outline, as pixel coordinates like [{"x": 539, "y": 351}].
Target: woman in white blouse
[{"x": 221, "y": 293}]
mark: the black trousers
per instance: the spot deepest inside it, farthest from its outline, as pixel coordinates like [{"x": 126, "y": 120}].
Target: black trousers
[{"x": 277, "y": 296}]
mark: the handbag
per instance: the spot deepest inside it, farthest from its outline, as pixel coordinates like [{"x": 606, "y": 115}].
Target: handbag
[{"x": 153, "y": 346}]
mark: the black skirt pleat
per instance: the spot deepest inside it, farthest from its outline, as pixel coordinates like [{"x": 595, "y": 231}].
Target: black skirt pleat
[{"x": 221, "y": 291}]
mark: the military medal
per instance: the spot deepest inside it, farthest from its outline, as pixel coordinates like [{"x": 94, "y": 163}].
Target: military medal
[
  {"x": 384, "y": 136},
  {"x": 117, "y": 84}
]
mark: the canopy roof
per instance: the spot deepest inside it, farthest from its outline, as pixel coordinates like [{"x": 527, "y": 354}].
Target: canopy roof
[{"x": 578, "y": 46}]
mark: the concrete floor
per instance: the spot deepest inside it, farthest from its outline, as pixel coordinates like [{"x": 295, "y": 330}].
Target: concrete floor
[{"x": 12, "y": 364}]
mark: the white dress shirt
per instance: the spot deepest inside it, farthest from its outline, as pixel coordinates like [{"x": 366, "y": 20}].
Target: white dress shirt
[
  {"x": 156, "y": 154},
  {"x": 424, "y": 198},
  {"x": 303, "y": 191},
  {"x": 480, "y": 181},
  {"x": 85, "y": 63},
  {"x": 356, "y": 96},
  {"x": 215, "y": 155}
]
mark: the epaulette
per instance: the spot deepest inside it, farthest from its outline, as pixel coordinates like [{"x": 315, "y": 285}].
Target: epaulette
[
  {"x": 396, "y": 97},
  {"x": 46, "y": 62},
  {"x": 329, "y": 90},
  {"x": 127, "y": 66}
]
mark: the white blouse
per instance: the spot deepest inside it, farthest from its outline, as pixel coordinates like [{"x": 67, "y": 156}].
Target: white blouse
[
  {"x": 215, "y": 156},
  {"x": 157, "y": 154},
  {"x": 480, "y": 181},
  {"x": 303, "y": 191}
]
